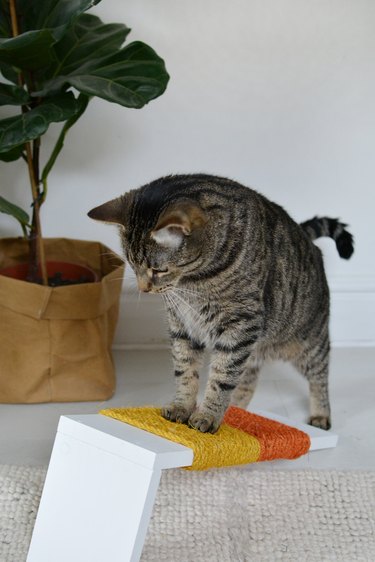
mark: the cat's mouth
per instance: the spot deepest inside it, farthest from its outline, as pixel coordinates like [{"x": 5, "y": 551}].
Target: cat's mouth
[{"x": 163, "y": 289}]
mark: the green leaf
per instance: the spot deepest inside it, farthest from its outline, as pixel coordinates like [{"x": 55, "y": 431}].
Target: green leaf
[
  {"x": 89, "y": 38},
  {"x": 49, "y": 14},
  {"x": 13, "y": 95},
  {"x": 131, "y": 77},
  {"x": 9, "y": 73},
  {"x": 42, "y": 23},
  {"x": 28, "y": 126},
  {"x": 10, "y": 209},
  {"x": 30, "y": 51},
  {"x": 12, "y": 154},
  {"x": 33, "y": 15}
]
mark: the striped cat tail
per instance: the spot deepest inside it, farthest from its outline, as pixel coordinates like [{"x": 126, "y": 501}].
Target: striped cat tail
[{"x": 333, "y": 228}]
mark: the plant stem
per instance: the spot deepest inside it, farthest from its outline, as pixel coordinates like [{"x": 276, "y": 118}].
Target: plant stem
[
  {"x": 83, "y": 101},
  {"x": 13, "y": 17},
  {"x": 35, "y": 238},
  {"x": 36, "y": 229}
]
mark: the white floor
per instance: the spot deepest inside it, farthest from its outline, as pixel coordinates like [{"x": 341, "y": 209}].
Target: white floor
[{"x": 144, "y": 378}]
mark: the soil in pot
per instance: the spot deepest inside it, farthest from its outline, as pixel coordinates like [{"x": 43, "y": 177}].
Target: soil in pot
[{"x": 59, "y": 273}]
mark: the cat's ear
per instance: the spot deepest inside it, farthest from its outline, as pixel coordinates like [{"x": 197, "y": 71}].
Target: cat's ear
[
  {"x": 111, "y": 212},
  {"x": 177, "y": 221}
]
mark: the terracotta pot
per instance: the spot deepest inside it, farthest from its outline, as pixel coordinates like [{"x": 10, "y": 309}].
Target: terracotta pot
[{"x": 63, "y": 271}]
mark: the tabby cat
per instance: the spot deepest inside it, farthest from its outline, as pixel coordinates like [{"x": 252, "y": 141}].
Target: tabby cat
[{"x": 239, "y": 276}]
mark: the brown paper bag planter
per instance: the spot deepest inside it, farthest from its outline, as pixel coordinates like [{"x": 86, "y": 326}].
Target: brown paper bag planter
[{"x": 55, "y": 342}]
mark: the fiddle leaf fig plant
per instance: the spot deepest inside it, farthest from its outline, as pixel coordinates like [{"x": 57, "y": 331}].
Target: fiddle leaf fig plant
[{"x": 54, "y": 58}]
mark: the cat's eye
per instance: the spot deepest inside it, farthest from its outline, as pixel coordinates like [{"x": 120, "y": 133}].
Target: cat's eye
[{"x": 156, "y": 271}]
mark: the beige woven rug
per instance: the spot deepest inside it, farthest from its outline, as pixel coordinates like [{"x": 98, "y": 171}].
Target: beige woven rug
[{"x": 228, "y": 515}]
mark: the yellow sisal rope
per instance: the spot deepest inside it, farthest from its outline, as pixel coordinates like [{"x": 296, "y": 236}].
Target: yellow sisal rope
[{"x": 231, "y": 445}]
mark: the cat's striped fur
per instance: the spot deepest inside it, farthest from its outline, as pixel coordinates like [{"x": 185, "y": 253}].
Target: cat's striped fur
[{"x": 239, "y": 276}]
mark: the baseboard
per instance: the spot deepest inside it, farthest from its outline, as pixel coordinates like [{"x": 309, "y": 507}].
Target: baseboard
[{"x": 142, "y": 322}]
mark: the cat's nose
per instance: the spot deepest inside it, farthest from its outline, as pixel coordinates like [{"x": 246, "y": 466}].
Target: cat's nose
[{"x": 144, "y": 285}]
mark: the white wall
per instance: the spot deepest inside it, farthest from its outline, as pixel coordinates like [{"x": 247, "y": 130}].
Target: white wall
[{"x": 276, "y": 94}]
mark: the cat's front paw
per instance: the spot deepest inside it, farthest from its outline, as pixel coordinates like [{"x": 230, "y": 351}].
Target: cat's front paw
[
  {"x": 204, "y": 422},
  {"x": 176, "y": 413}
]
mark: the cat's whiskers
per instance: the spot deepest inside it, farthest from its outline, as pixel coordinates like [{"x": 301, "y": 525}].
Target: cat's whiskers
[
  {"x": 174, "y": 304},
  {"x": 195, "y": 294},
  {"x": 113, "y": 255},
  {"x": 186, "y": 304},
  {"x": 131, "y": 281},
  {"x": 121, "y": 278},
  {"x": 193, "y": 321},
  {"x": 168, "y": 301},
  {"x": 185, "y": 290}
]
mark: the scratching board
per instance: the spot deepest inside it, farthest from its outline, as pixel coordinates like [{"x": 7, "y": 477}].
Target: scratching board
[
  {"x": 243, "y": 438},
  {"x": 103, "y": 476}
]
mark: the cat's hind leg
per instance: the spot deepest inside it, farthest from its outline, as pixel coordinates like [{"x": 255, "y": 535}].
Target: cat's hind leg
[{"x": 313, "y": 363}]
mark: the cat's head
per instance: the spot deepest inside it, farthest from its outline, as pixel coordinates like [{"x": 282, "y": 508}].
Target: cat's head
[{"x": 162, "y": 240}]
